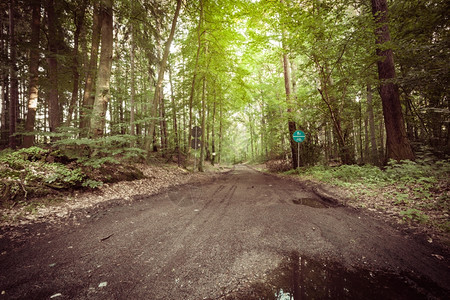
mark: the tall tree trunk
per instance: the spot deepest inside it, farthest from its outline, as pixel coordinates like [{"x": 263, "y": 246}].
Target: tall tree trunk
[
  {"x": 89, "y": 95},
  {"x": 367, "y": 153},
  {"x": 373, "y": 139},
  {"x": 219, "y": 156},
  {"x": 4, "y": 114},
  {"x": 158, "y": 89},
  {"x": 79, "y": 21},
  {"x": 291, "y": 123},
  {"x": 213, "y": 146},
  {"x": 397, "y": 143},
  {"x": 163, "y": 127},
  {"x": 28, "y": 139},
  {"x": 361, "y": 153},
  {"x": 202, "y": 149},
  {"x": 206, "y": 138},
  {"x": 133, "y": 84},
  {"x": 14, "y": 92},
  {"x": 53, "y": 103},
  {"x": 382, "y": 152},
  {"x": 102, "y": 91},
  {"x": 174, "y": 119},
  {"x": 194, "y": 77},
  {"x": 4, "y": 135}
]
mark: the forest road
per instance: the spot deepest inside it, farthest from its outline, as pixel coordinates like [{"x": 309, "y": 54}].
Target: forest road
[{"x": 242, "y": 235}]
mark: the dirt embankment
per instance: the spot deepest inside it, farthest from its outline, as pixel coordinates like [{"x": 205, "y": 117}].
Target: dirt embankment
[{"x": 54, "y": 208}]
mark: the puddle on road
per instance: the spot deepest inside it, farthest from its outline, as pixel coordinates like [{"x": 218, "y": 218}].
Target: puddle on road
[
  {"x": 309, "y": 202},
  {"x": 298, "y": 277}
]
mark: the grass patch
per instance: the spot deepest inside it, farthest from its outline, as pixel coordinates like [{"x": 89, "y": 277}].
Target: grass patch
[{"x": 416, "y": 192}]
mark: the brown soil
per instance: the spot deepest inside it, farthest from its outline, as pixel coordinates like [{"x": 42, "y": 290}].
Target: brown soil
[{"x": 224, "y": 236}]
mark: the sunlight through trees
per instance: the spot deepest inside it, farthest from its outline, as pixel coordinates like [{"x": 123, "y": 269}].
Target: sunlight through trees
[{"x": 366, "y": 81}]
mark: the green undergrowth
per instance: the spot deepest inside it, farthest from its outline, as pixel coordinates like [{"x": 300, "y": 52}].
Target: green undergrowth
[
  {"x": 37, "y": 172},
  {"x": 414, "y": 191}
]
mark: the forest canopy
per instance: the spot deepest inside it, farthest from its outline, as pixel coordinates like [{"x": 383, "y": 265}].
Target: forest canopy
[{"x": 366, "y": 81}]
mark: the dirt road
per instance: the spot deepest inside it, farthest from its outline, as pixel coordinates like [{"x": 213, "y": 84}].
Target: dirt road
[{"x": 243, "y": 235}]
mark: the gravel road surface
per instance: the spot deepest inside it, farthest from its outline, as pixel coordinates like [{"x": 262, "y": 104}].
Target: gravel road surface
[{"x": 241, "y": 235}]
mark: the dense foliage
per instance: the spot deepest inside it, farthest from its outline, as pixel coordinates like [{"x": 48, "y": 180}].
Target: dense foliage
[
  {"x": 33, "y": 172},
  {"x": 225, "y": 73},
  {"x": 414, "y": 191}
]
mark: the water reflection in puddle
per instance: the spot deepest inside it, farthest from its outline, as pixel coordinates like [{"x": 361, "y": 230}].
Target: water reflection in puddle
[
  {"x": 309, "y": 202},
  {"x": 298, "y": 277}
]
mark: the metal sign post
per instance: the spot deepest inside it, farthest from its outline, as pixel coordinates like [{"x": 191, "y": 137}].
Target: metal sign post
[{"x": 298, "y": 136}]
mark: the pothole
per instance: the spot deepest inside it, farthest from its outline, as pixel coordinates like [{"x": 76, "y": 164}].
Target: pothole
[{"x": 311, "y": 202}]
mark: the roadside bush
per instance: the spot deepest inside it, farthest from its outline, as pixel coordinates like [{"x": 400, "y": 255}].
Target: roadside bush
[
  {"x": 417, "y": 191},
  {"x": 96, "y": 152},
  {"x": 33, "y": 172},
  {"x": 347, "y": 174}
]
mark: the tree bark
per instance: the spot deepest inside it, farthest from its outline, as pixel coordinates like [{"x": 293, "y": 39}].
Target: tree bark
[
  {"x": 194, "y": 77},
  {"x": 133, "y": 84},
  {"x": 213, "y": 145},
  {"x": 219, "y": 155},
  {"x": 79, "y": 21},
  {"x": 89, "y": 95},
  {"x": 158, "y": 89},
  {"x": 4, "y": 72},
  {"x": 202, "y": 149},
  {"x": 102, "y": 91},
  {"x": 163, "y": 126},
  {"x": 397, "y": 143},
  {"x": 174, "y": 119},
  {"x": 4, "y": 136},
  {"x": 53, "y": 102},
  {"x": 291, "y": 123},
  {"x": 373, "y": 139},
  {"x": 28, "y": 140},
  {"x": 14, "y": 92}
]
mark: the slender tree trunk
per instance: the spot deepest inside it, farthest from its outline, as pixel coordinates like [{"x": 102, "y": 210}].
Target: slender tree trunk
[
  {"x": 53, "y": 102},
  {"x": 28, "y": 140},
  {"x": 202, "y": 149},
  {"x": 361, "y": 133},
  {"x": 133, "y": 90},
  {"x": 4, "y": 136},
  {"x": 163, "y": 127},
  {"x": 213, "y": 146},
  {"x": 194, "y": 77},
  {"x": 4, "y": 126},
  {"x": 102, "y": 91},
  {"x": 219, "y": 156},
  {"x": 89, "y": 95},
  {"x": 397, "y": 143},
  {"x": 373, "y": 139},
  {"x": 79, "y": 21},
  {"x": 382, "y": 152},
  {"x": 14, "y": 92},
  {"x": 158, "y": 89},
  {"x": 206, "y": 137},
  {"x": 174, "y": 119},
  {"x": 291, "y": 123}
]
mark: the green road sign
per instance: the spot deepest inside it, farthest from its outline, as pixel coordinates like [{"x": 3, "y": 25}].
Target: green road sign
[{"x": 298, "y": 136}]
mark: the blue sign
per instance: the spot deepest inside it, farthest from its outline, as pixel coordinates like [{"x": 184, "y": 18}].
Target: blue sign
[{"x": 299, "y": 136}]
